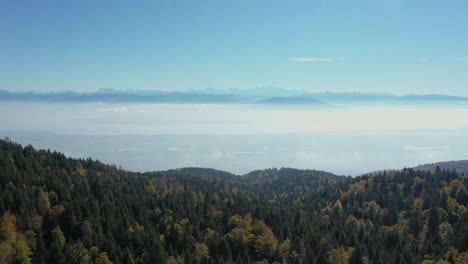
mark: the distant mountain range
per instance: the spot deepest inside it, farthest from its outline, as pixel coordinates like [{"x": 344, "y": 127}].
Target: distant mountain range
[
  {"x": 274, "y": 96},
  {"x": 297, "y": 100}
]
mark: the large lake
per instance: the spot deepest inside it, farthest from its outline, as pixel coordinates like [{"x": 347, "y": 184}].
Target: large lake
[{"x": 240, "y": 138}]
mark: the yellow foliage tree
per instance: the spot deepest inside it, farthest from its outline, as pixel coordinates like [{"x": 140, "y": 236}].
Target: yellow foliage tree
[
  {"x": 340, "y": 255},
  {"x": 8, "y": 228},
  {"x": 173, "y": 260},
  {"x": 285, "y": 250},
  {"x": 12, "y": 244},
  {"x": 7, "y": 252},
  {"x": 200, "y": 252},
  {"x": 44, "y": 201},
  {"x": 103, "y": 259},
  {"x": 23, "y": 252},
  {"x": 462, "y": 258}
]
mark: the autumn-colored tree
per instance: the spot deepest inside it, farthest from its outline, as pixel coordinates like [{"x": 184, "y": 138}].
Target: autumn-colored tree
[
  {"x": 7, "y": 252},
  {"x": 44, "y": 201},
  {"x": 103, "y": 258},
  {"x": 201, "y": 252},
  {"x": 462, "y": 258},
  {"x": 13, "y": 245},
  {"x": 8, "y": 228},
  {"x": 23, "y": 252},
  {"x": 340, "y": 255}
]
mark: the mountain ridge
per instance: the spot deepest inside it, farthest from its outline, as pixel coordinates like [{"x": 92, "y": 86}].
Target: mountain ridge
[
  {"x": 460, "y": 166},
  {"x": 262, "y": 96}
]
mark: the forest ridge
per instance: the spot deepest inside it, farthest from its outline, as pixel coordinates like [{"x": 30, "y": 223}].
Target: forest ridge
[{"x": 56, "y": 209}]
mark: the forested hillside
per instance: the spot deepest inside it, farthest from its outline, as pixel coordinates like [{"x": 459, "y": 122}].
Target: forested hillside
[
  {"x": 460, "y": 166},
  {"x": 56, "y": 209}
]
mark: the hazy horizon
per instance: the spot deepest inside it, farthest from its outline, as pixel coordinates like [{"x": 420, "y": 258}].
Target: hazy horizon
[
  {"x": 240, "y": 138},
  {"x": 312, "y": 81}
]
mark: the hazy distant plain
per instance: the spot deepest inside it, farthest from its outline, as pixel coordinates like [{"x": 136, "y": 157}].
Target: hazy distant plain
[{"x": 241, "y": 138}]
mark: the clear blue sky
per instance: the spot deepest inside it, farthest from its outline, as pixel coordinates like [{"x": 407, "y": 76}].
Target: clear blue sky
[{"x": 370, "y": 46}]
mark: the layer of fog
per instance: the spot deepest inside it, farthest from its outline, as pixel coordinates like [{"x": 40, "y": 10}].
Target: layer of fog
[{"x": 241, "y": 138}]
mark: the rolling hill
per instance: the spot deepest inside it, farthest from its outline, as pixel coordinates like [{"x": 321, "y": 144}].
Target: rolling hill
[{"x": 460, "y": 166}]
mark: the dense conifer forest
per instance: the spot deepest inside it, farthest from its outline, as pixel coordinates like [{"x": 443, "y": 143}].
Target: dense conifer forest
[{"x": 56, "y": 209}]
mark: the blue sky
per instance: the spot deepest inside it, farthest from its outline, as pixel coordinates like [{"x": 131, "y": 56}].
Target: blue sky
[{"x": 369, "y": 46}]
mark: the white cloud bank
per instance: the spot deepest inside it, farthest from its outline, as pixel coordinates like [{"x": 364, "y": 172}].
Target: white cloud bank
[{"x": 122, "y": 109}]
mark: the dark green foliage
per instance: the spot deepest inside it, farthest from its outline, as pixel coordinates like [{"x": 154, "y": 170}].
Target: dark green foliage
[
  {"x": 356, "y": 257},
  {"x": 84, "y": 211}
]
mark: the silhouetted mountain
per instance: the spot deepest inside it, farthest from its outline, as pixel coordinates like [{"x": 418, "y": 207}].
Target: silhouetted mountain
[
  {"x": 196, "y": 172},
  {"x": 274, "y": 96},
  {"x": 300, "y": 100},
  {"x": 113, "y": 96},
  {"x": 460, "y": 166},
  {"x": 431, "y": 97}
]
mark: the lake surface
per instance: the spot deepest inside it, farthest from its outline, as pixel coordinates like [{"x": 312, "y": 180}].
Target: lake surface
[{"x": 241, "y": 138}]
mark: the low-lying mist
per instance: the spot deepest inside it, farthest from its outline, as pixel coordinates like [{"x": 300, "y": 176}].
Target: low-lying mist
[{"x": 241, "y": 138}]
